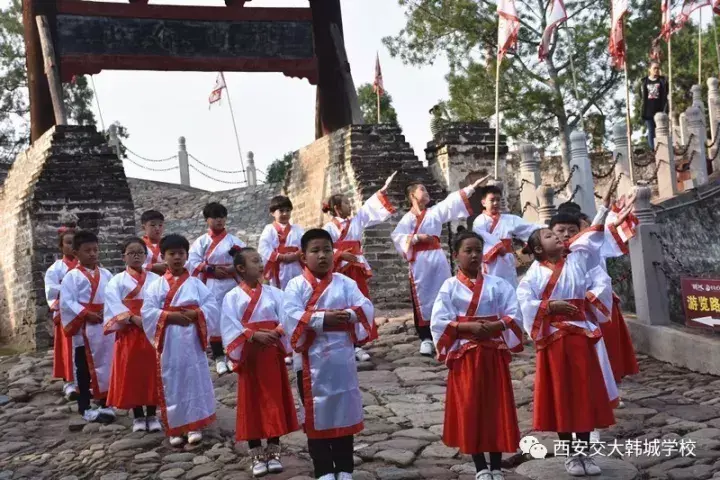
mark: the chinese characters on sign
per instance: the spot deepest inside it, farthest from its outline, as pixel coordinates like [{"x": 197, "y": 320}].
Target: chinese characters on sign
[
  {"x": 701, "y": 300},
  {"x": 629, "y": 448}
]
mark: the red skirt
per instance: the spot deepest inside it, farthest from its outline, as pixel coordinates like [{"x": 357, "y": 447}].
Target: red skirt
[
  {"x": 133, "y": 380},
  {"x": 480, "y": 413},
  {"x": 63, "y": 365},
  {"x": 619, "y": 344},
  {"x": 570, "y": 393},
  {"x": 265, "y": 406}
]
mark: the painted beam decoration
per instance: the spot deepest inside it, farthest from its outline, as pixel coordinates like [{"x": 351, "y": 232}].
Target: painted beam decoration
[{"x": 94, "y": 36}]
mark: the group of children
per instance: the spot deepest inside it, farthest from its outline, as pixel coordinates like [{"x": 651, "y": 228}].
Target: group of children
[{"x": 302, "y": 298}]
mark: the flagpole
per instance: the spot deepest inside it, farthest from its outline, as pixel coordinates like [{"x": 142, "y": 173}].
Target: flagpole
[
  {"x": 700, "y": 46},
  {"x": 627, "y": 113},
  {"x": 571, "y": 37},
  {"x": 670, "y": 86},
  {"x": 237, "y": 137},
  {"x": 377, "y": 92},
  {"x": 497, "y": 118}
]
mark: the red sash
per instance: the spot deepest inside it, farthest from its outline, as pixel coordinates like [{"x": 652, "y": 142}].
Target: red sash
[
  {"x": 154, "y": 250},
  {"x": 201, "y": 323},
  {"x": 495, "y": 221},
  {"x": 272, "y": 267},
  {"x": 131, "y": 301},
  {"x": 319, "y": 287}
]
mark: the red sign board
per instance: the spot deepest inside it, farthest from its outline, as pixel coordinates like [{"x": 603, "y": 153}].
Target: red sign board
[{"x": 701, "y": 300}]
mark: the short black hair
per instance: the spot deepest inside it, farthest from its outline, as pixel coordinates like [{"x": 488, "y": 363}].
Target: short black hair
[
  {"x": 464, "y": 235},
  {"x": 279, "y": 202},
  {"x": 132, "y": 240},
  {"x": 584, "y": 217},
  {"x": 214, "y": 210},
  {"x": 409, "y": 189},
  {"x": 314, "y": 234},
  {"x": 533, "y": 242},
  {"x": 487, "y": 190},
  {"x": 173, "y": 241},
  {"x": 150, "y": 215},
  {"x": 239, "y": 258},
  {"x": 564, "y": 218},
  {"x": 82, "y": 237},
  {"x": 569, "y": 207}
]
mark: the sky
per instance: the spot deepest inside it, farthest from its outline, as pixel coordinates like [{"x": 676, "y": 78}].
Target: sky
[{"x": 274, "y": 114}]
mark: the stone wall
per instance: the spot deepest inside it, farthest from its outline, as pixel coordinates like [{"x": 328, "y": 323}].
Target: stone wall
[
  {"x": 356, "y": 161},
  {"x": 69, "y": 172}
]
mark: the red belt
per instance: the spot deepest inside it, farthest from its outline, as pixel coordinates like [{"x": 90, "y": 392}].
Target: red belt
[
  {"x": 508, "y": 244},
  {"x": 94, "y": 307},
  {"x": 434, "y": 244},
  {"x": 209, "y": 275},
  {"x": 134, "y": 305},
  {"x": 272, "y": 268},
  {"x": 349, "y": 246}
]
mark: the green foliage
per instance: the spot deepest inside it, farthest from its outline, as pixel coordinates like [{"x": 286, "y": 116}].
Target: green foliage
[
  {"x": 368, "y": 105},
  {"x": 14, "y": 105},
  {"x": 278, "y": 169}
]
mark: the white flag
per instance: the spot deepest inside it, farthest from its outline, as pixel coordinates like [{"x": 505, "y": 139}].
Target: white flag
[
  {"x": 617, "y": 32},
  {"x": 688, "y": 7},
  {"x": 556, "y": 16},
  {"x": 508, "y": 26},
  {"x": 216, "y": 94}
]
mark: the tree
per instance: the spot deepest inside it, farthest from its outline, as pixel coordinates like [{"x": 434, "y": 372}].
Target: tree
[
  {"x": 14, "y": 106},
  {"x": 278, "y": 169},
  {"x": 537, "y": 99},
  {"x": 368, "y": 105}
]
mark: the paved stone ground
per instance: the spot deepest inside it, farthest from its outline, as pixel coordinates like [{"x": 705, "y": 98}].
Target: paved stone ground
[{"x": 403, "y": 395}]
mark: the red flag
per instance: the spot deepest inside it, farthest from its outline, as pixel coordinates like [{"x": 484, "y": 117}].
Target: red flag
[
  {"x": 688, "y": 7},
  {"x": 617, "y": 32},
  {"x": 508, "y": 26},
  {"x": 557, "y": 15},
  {"x": 666, "y": 27},
  {"x": 216, "y": 94},
  {"x": 716, "y": 7},
  {"x": 378, "y": 86}
]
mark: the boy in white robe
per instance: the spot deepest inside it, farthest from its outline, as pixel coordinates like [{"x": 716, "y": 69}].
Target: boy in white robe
[
  {"x": 325, "y": 314},
  {"x": 82, "y": 298},
  {"x": 176, "y": 313},
  {"x": 153, "y": 224},
  {"x": 211, "y": 260},
  {"x": 279, "y": 244},
  {"x": 499, "y": 257}
]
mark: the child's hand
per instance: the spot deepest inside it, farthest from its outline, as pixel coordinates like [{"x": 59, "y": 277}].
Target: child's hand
[
  {"x": 177, "y": 318},
  {"x": 190, "y": 314},
  {"x": 136, "y": 320},
  {"x": 388, "y": 181},
  {"x": 159, "y": 268},
  {"x": 481, "y": 331},
  {"x": 221, "y": 273},
  {"x": 423, "y": 237},
  {"x": 560, "y": 307},
  {"x": 93, "y": 318},
  {"x": 265, "y": 337},
  {"x": 334, "y": 318}
]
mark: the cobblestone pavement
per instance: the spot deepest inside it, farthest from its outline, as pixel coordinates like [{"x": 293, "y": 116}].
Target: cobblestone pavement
[{"x": 403, "y": 395}]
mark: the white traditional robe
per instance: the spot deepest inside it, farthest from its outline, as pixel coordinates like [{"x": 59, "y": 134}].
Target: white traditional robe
[
  {"x": 500, "y": 259},
  {"x": 333, "y": 402},
  {"x": 347, "y": 233},
  {"x": 275, "y": 240},
  {"x": 62, "y": 346},
  {"x": 187, "y": 397},
  {"x": 81, "y": 292},
  {"x": 213, "y": 250},
  {"x": 153, "y": 255},
  {"x": 429, "y": 266},
  {"x": 576, "y": 279},
  {"x": 495, "y": 300},
  {"x": 117, "y": 313}
]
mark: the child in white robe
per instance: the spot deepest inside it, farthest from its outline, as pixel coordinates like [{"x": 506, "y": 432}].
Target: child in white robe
[
  {"x": 256, "y": 344},
  {"x": 499, "y": 258},
  {"x": 347, "y": 232},
  {"x": 560, "y": 296},
  {"x": 279, "y": 244},
  {"x": 176, "y": 313},
  {"x": 475, "y": 325},
  {"x": 211, "y": 260},
  {"x": 417, "y": 238},
  {"x": 82, "y": 298},
  {"x": 133, "y": 381},
  {"x": 153, "y": 224},
  {"x": 62, "y": 344},
  {"x": 325, "y": 315}
]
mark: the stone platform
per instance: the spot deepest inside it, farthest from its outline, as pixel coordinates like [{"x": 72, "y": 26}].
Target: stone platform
[{"x": 404, "y": 400}]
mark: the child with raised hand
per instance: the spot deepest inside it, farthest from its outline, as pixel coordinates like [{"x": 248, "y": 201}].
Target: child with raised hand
[
  {"x": 417, "y": 238},
  {"x": 475, "y": 325},
  {"x": 257, "y": 344},
  {"x": 133, "y": 381},
  {"x": 570, "y": 391},
  {"x": 176, "y": 313},
  {"x": 347, "y": 231},
  {"x": 63, "y": 364}
]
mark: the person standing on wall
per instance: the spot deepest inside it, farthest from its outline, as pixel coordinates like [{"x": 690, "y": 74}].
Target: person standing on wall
[{"x": 654, "y": 94}]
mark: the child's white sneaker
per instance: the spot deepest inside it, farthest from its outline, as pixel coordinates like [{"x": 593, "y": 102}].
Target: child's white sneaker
[
  {"x": 139, "y": 425},
  {"x": 153, "y": 424},
  {"x": 107, "y": 411},
  {"x": 426, "y": 348},
  {"x": 574, "y": 467},
  {"x": 70, "y": 392},
  {"x": 361, "y": 355},
  {"x": 176, "y": 441},
  {"x": 591, "y": 467},
  {"x": 220, "y": 366},
  {"x": 273, "y": 459},
  {"x": 288, "y": 360},
  {"x": 594, "y": 437},
  {"x": 497, "y": 475},
  {"x": 483, "y": 475},
  {"x": 259, "y": 465},
  {"x": 91, "y": 415},
  {"x": 344, "y": 476},
  {"x": 329, "y": 476},
  {"x": 194, "y": 437}
]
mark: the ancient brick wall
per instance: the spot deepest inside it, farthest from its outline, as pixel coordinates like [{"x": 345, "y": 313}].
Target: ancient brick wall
[
  {"x": 306, "y": 182},
  {"x": 69, "y": 172}
]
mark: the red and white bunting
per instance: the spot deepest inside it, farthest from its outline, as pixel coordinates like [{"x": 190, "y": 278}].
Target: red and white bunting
[
  {"x": 617, "y": 32},
  {"x": 508, "y": 26},
  {"x": 688, "y": 7},
  {"x": 216, "y": 94},
  {"x": 556, "y": 16}
]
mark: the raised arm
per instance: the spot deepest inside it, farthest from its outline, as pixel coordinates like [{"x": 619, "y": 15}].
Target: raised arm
[
  {"x": 375, "y": 210},
  {"x": 456, "y": 206}
]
